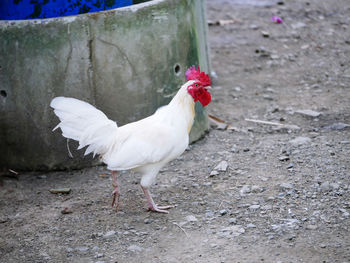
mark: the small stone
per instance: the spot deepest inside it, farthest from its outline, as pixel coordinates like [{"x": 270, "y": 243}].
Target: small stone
[
  {"x": 191, "y": 218},
  {"x": 311, "y": 227},
  {"x": 334, "y": 186},
  {"x": 235, "y": 230},
  {"x": 232, "y": 221},
  {"x": 286, "y": 186},
  {"x": 283, "y": 158},
  {"x": 223, "y": 212},
  {"x": 246, "y": 150},
  {"x": 60, "y": 190},
  {"x": 265, "y": 34},
  {"x": 135, "y": 248},
  {"x": 147, "y": 220},
  {"x": 300, "y": 140},
  {"x": 246, "y": 189},
  {"x": 254, "y": 207},
  {"x": 251, "y": 226},
  {"x": 290, "y": 166},
  {"x": 82, "y": 249},
  {"x": 256, "y": 189},
  {"x": 337, "y": 126},
  {"x": 298, "y": 25},
  {"x": 66, "y": 210},
  {"x": 325, "y": 186},
  {"x": 100, "y": 255},
  {"x": 109, "y": 234},
  {"x": 309, "y": 113},
  {"x": 213, "y": 173},
  {"x": 222, "y": 166}
]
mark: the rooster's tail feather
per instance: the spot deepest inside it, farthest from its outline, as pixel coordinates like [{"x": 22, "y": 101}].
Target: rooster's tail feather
[{"x": 84, "y": 123}]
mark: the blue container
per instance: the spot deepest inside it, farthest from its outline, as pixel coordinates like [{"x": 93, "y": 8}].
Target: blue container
[{"x": 33, "y": 9}]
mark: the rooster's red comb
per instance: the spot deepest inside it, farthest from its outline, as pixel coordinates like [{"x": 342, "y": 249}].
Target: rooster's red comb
[{"x": 195, "y": 74}]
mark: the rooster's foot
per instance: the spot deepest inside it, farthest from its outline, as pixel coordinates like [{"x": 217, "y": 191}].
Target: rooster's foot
[{"x": 160, "y": 209}]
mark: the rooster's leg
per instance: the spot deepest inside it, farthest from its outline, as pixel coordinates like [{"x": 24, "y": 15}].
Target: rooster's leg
[
  {"x": 115, "y": 192},
  {"x": 152, "y": 206}
]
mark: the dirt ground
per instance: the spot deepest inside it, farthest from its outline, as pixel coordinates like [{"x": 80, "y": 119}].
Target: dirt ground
[{"x": 285, "y": 193}]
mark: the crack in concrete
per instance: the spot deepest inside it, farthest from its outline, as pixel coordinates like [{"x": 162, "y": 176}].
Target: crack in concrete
[{"x": 122, "y": 53}]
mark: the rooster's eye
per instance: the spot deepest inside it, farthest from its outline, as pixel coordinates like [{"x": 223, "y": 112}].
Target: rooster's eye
[{"x": 196, "y": 85}]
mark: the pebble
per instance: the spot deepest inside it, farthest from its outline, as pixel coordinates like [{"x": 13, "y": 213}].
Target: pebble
[
  {"x": 109, "y": 234},
  {"x": 311, "y": 227},
  {"x": 309, "y": 113},
  {"x": 222, "y": 166},
  {"x": 147, "y": 220},
  {"x": 336, "y": 126},
  {"x": 283, "y": 158},
  {"x": 254, "y": 207},
  {"x": 251, "y": 225},
  {"x": 135, "y": 248},
  {"x": 265, "y": 34},
  {"x": 286, "y": 186},
  {"x": 232, "y": 221},
  {"x": 82, "y": 249},
  {"x": 246, "y": 189},
  {"x": 290, "y": 166},
  {"x": 191, "y": 218},
  {"x": 325, "y": 186},
  {"x": 300, "y": 140},
  {"x": 213, "y": 173},
  {"x": 223, "y": 212},
  {"x": 235, "y": 230}
]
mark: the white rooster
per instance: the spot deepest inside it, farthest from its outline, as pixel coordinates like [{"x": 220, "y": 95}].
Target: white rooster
[{"x": 144, "y": 146}]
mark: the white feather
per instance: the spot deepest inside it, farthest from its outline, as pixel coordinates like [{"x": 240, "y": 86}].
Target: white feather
[{"x": 82, "y": 122}]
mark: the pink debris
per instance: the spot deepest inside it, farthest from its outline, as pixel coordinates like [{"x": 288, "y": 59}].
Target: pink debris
[{"x": 277, "y": 19}]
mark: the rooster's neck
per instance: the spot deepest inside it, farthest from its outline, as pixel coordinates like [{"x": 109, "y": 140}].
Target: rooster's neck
[{"x": 183, "y": 105}]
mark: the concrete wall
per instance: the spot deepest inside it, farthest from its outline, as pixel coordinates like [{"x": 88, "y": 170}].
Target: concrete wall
[{"x": 127, "y": 62}]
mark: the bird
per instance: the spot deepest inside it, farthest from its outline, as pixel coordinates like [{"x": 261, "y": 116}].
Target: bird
[{"x": 144, "y": 146}]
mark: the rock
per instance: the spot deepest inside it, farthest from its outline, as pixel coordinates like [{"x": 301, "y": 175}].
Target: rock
[
  {"x": 298, "y": 25},
  {"x": 191, "y": 218},
  {"x": 265, "y": 34},
  {"x": 336, "y": 126},
  {"x": 257, "y": 189},
  {"x": 66, "y": 210},
  {"x": 290, "y": 166},
  {"x": 283, "y": 158},
  {"x": 325, "y": 186},
  {"x": 254, "y": 207},
  {"x": 135, "y": 248},
  {"x": 235, "y": 230},
  {"x": 100, "y": 255},
  {"x": 311, "y": 227},
  {"x": 300, "y": 140},
  {"x": 251, "y": 225},
  {"x": 213, "y": 173},
  {"x": 286, "y": 186},
  {"x": 309, "y": 113},
  {"x": 223, "y": 212},
  {"x": 147, "y": 220},
  {"x": 60, "y": 190},
  {"x": 109, "y": 234},
  {"x": 334, "y": 186},
  {"x": 246, "y": 189},
  {"x": 222, "y": 166},
  {"x": 232, "y": 221},
  {"x": 82, "y": 249}
]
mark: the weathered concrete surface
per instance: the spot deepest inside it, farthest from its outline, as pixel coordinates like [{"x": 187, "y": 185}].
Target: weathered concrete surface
[{"x": 127, "y": 62}]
